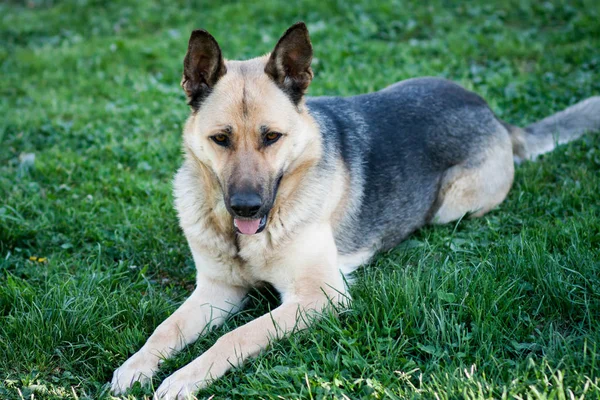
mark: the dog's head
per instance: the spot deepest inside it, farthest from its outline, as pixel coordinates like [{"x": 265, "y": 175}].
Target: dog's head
[{"x": 249, "y": 126}]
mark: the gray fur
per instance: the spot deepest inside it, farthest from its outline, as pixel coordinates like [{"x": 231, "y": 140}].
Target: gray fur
[
  {"x": 562, "y": 127},
  {"x": 398, "y": 143}
]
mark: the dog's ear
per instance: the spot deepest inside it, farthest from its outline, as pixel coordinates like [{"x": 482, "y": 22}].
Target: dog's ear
[
  {"x": 289, "y": 64},
  {"x": 203, "y": 66}
]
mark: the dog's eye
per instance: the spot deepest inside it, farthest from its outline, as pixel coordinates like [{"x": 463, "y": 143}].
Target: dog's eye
[
  {"x": 271, "y": 137},
  {"x": 221, "y": 139}
]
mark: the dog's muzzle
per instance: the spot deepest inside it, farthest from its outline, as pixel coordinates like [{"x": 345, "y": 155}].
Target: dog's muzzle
[
  {"x": 250, "y": 213},
  {"x": 245, "y": 207}
]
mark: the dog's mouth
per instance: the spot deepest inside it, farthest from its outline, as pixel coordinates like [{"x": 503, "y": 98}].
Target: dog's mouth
[{"x": 250, "y": 226}]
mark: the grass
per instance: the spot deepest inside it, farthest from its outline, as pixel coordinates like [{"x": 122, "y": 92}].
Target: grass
[{"x": 92, "y": 259}]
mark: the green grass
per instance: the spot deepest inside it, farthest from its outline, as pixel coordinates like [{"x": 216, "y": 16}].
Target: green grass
[{"x": 506, "y": 306}]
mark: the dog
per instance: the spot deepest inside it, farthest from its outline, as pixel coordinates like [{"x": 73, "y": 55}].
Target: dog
[{"x": 298, "y": 192}]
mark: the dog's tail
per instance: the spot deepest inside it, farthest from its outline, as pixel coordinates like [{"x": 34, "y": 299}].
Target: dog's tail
[{"x": 567, "y": 125}]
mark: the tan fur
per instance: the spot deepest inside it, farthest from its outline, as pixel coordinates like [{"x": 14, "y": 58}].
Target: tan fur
[
  {"x": 481, "y": 185},
  {"x": 305, "y": 270},
  {"x": 297, "y": 252},
  {"x": 519, "y": 143}
]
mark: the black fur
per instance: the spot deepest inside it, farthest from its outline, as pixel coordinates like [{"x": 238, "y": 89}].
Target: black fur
[
  {"x": 289, "y": 63},
  {"x": 397, "y": 143},
  {"x": 203, "y": 66}
]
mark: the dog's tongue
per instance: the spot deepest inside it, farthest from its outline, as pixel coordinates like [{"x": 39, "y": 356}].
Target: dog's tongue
[{"x": 247, "y": 227}]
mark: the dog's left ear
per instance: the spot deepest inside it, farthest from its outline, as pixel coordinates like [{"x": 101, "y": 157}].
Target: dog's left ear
[
  {"x": 289, "y": 64},
  {"x": 203, "y": 66}
]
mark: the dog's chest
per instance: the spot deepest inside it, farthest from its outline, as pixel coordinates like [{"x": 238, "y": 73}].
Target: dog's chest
[
  {"x": 255, "y": 255},
  {"x": 235, "y": 259}
]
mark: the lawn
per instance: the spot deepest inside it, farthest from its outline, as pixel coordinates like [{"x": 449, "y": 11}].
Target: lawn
[{"x": 92, "y": 258}]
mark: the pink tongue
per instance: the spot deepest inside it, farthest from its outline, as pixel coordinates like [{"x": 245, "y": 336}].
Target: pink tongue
[{"x": 247, "y": 227}]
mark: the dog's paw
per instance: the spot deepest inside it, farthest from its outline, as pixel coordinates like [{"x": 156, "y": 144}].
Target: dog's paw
[
  {"x": 182, "y": 385},
  {"x": 138, "y": 368}
]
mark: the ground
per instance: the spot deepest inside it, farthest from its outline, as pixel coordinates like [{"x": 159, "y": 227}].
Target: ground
[{"x": 92, "y": 259}]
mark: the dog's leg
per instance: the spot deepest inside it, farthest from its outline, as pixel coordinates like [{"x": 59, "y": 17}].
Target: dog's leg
[
  {"x": 210, "y": 303},
  {"x": 309, "y": 282},
  {"x": 478, "y": 185}
]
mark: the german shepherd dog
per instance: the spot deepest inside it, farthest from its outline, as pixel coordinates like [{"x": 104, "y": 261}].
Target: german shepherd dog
[{"x": 298, "y": 192}]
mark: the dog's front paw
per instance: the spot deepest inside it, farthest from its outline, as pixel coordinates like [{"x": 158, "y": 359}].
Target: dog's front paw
[
  {"x": 138, "y": 368},
  {"x": 180, "y": 386}
]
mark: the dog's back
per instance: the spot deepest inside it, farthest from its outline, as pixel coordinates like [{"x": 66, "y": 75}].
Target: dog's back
[
  {"x": 396, "y": 144},
  {"x": 399, "y": 144}
]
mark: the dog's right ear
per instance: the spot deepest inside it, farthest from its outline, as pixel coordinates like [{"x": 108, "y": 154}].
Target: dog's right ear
[{"x": 203, "y": 66}]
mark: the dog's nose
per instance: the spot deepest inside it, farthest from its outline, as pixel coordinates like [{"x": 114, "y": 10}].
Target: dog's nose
[{"x": 245, "y": 204}]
